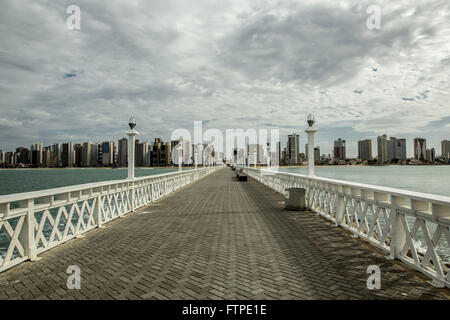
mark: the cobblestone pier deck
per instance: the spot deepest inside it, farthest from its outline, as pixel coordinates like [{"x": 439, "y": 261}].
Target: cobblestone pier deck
[{"x": 216, "y": 239}]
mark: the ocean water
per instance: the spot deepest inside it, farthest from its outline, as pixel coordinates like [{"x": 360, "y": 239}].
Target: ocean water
[
  {"x": 25, "y": 180},
  {"x": 427, "y": 179}
]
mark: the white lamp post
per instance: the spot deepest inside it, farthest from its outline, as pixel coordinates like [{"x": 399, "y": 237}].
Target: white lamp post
[
  {"x": 254, "y": 157},
  {"x": 311, "y": 130},
  {"x": 131, "y": 141}
]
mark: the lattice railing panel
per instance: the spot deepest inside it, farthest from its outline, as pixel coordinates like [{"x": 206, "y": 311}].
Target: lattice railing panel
[
  {"x": 409, "y": 226},
  {"x": 44, "y": 219}
]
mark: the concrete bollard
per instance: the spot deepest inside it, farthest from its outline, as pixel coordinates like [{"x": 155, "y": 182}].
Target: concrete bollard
[{"x": 296, "y": 199}]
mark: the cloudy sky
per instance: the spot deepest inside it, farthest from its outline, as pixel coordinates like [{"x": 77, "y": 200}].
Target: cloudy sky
[{"x": 233, "y": 64}]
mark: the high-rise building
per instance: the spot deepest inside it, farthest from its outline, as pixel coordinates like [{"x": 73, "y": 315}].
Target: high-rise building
[
  {"x": 382, "y": 149},
  {"x": 2, "y": 157},
  {"x": 445, "y": 149},
  {"x": 46, "y": 156},
  {"x": 276, "y": 156},
  {"x": 339, "y": 149},
  {"x": 430, "y": 155},
  {"x": 174, "y": 152},
  {"x": 209, "y": 154},
  {"x": 284, "y": 156},
  {"x": 399, "y": 148},
  {"x": 67, "y": 154},
  {"x": 24, "y": 155},
  {"x": 235, "y": 155},
  {"x": 55, "y": 155},
  {"x": 122, "y": 158},
  {"x": 388, "y": 150},
  {"x": 95, "y": 154},
  {"x": 240, "y": 157},
  {"x": 316, "y": 155},
  {"x": 365, "y": 149},
  {"x": 107, "y": 155},
  {"x": 420, "y": 149},
  {"x": 86, "y": 153},
  {"x": 198, "y": 148},
  {"x": 78, "y": 151},
  {"x": 160, "y": 153},
  {"x": 141, "y": 152},
  {"x": 187, "y": 152},
  {"x": 293, "y": 149},
  {"x": 36, "y": 154},
  {"x": 252, "y": 151},
  {"x": 7, "y": 158}
]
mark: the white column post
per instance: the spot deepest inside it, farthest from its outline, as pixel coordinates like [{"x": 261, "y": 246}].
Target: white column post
[
  {"x": 268, "y": 157},
  {"x": 311, "y": 131},
  {"x": 398, "y": 233},
  {"x": 255, "y": 158},
  {"x": 131, "y": 148},
  {"x": 27, "y": 237}
]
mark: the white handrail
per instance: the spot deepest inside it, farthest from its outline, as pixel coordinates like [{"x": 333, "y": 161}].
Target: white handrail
[
  {"x": 47, "y": 192},
  {"x": 413, "y": 227}
]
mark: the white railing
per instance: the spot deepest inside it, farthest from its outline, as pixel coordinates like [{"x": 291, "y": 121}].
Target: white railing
[
  {"x": 411, "y": 226},
  {"x": 34, "y": 222}
]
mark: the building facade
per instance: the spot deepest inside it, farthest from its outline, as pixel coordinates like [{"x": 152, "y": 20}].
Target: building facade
[
  {"x": 365, "y": 150},
  {"x": 339, "y": 149},
  {"x": 420, "y": 149},
  {"x": 445, "y": 149},
  {"x": 292, "y": 149}
]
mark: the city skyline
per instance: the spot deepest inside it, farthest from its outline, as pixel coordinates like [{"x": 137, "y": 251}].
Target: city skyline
[
  {"x": 159, "y": 153},
  {"x": 251, "y": 64}
]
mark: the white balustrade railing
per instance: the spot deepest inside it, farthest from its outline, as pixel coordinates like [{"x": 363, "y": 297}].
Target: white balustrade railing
[
  {"x": 34, "y": 222},
  {"x": 411, "y": 226}
]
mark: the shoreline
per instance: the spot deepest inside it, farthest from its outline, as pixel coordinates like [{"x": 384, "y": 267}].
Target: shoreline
[{"x": 93, "y": 168}]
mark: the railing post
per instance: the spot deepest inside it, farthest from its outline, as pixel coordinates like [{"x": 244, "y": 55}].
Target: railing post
[
  {"x": 340, "y": 207},
  {"x": 132, "y": 196},
  {"x": 398, "y": 235},
  {"x": 27, "y": 237},
  {"x": 98, "y": 211}
]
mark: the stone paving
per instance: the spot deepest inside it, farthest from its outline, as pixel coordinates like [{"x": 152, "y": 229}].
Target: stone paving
[{"x": 216, "y": 239}]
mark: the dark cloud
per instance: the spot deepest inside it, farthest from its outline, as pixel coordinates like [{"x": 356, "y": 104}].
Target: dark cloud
[{"x": 234, "y": 64}]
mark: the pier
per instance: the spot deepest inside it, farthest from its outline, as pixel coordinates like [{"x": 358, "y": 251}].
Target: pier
[{"x": 206, "y": 235}]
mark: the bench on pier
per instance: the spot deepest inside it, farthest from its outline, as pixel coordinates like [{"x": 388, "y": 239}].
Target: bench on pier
[{"x": 241, "y": 175}]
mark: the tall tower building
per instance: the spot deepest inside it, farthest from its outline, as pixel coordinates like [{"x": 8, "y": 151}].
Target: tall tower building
[
  {"x": 365, "y": 149},
  {"x": 86, "y": 154},
  {"x": 122, "y": 158},
  {"x": 293, "y": 149},
  {"x": 339, "y": 149},
  {"x": 316, "y": 155},
  {"x": 382, "y": 149},
  {"x": 445, "y": 149},
  {"x": 251, "y": 149},
  {"x": 67, "y": 155},
  {"x": 94, "y": 154},
  {"x": 174, "y": 151},
  {"x": 399, "y": 149},
  {"x": 430, "y": 155},
  {"x": 420, "y": 149}
]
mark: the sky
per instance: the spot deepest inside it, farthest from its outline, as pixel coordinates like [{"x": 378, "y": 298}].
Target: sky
[{"x": 233, "y": 64}]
